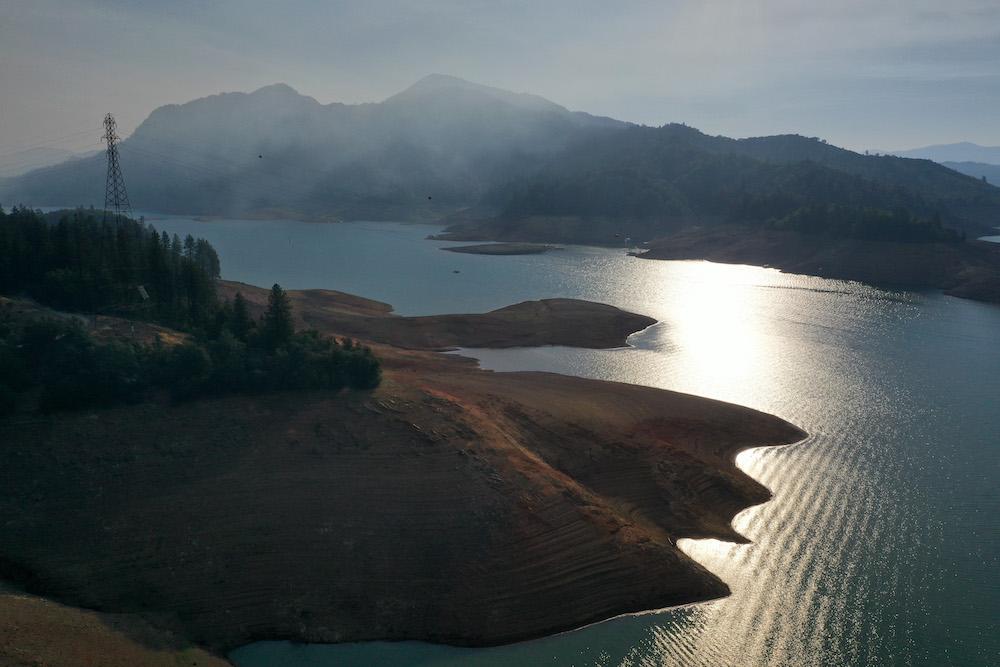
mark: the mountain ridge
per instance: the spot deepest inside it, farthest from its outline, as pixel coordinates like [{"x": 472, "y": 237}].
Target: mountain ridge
[
  {"x": 29, "y": 159},
  {"x": 962, "y": 151},
  {"x": 445, "y": 144},
  {"x": 981, "y": 170}
]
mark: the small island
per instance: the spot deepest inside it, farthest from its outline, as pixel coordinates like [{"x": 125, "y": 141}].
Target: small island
[{"x": 502, "y": 249}]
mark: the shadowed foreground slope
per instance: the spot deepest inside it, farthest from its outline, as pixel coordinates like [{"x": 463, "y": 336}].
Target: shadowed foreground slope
[
  {"x": 451, "y": 504},
  {"x": 35, "y": 632}
]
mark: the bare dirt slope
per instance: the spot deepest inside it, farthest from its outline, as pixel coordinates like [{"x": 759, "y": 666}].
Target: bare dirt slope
[
  {"x": 451, "y": 504},
  {"x": 35, "y": 632},
  {"x": 531, "y": 323}
]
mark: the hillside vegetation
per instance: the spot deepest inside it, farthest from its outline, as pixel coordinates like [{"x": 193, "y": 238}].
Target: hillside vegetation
[
  {"x": 440, "y": 144},
  {"x": 124, "y": 267},
  {"x": 445, "y": 146},
  {"x": 643, "y": 182}
]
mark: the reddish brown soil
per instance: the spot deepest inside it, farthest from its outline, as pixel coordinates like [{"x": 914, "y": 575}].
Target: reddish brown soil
[
  {"x": 451, "y": 504},
  {"x": 528, "y": 324}
]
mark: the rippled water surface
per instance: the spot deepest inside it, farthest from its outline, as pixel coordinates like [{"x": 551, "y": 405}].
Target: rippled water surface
[{"x": 880, "y": 546}]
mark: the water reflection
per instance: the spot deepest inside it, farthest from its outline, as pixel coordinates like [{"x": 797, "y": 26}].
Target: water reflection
[
  {"x": 880, "y": 545},
  {"x": 715, "y": 328}
]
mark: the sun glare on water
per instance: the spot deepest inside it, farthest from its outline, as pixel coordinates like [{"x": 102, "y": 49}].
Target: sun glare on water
[{"x": 715, "y": 326}]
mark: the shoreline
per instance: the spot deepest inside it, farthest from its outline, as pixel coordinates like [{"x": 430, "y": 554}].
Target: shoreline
[
  {"x": 570, "y": 322},
  {"x": 968, "y": 269},
  {"x": 491, "y": 464},
  {"x": 585, "y": 626}
]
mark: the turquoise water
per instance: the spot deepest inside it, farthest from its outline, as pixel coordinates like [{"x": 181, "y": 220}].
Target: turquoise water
[{"x": 880, "y": 546}]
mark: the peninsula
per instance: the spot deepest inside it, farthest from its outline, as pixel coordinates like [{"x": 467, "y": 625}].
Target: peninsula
[
  {"x": 450, "y": 504},
  {"x": 569, "y": 322}
]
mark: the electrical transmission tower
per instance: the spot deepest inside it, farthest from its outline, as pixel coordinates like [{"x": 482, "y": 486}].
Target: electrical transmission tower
[{"x": 115, "y": 196}]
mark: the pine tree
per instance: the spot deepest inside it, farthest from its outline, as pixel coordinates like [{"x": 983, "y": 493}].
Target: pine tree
[
  {"x": 241, "y": 324},
  {"x": 278, "y": 327}
]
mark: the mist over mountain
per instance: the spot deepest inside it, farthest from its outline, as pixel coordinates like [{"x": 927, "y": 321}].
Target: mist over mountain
[
  {"x": 991, "y": 172},
  {"x": 964, "y": 157},
  {"x": 446, "y": 145},
  {"x": 21, "y": 162},
  {"x": 438, "y": 144},
  {"x": 644, "y": 181},
  {"x": 964, "y": 151}
]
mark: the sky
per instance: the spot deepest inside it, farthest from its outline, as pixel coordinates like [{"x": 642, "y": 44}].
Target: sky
[{"x": 885, "y": 75}]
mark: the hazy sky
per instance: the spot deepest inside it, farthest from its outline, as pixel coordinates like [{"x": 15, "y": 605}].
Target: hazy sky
[{"x": 889, "y": 75}]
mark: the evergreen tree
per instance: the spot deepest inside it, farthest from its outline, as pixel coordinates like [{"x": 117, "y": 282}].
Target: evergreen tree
[
  {"x": 241, "y": 323},
  {"x": 278, "y": 327},
  {"x": 72, "y": 260}
]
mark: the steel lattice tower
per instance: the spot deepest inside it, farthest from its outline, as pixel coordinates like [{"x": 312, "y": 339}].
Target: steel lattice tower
[{"x": 115, "y": 196}]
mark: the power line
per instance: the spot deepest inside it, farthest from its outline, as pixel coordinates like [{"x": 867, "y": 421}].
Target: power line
[
  {"x": 30, "y": 162},
  {"x": 206, "y": 166},
  {"x": 53, "y": 140}
]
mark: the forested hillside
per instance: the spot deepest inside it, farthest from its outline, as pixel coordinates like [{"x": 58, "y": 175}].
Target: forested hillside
[
  {"x": 76, "y": 262},
  {"x": 439, "y": 144},
  {"x": 989, "y": 173},
  {"x": 445, "y": 145},
  {"x": 657, "y": 179}
]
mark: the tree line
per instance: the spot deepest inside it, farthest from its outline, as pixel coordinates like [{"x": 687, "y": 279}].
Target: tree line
[
  {"x": 870, "y": 224},
  {"x": 75, "y": 261},
  {"x": 667, "y": 176},
  {"x": 227, "y": 350}
]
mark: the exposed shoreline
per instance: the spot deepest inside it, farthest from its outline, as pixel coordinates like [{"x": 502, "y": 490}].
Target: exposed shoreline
[
  {"x": 570, "y": 322},
  {"x": 478, "y": 508},
  {"x": 969, "y": 269}
]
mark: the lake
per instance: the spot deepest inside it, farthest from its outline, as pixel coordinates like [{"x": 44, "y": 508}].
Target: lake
[{"x": 881, "y": 543}]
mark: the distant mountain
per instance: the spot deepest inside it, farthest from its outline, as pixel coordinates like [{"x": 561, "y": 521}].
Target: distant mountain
[
  {"x": 642, "y": 182},
  {"x": 439, "y": 144},
  {"x": 445, "y": 145},
  {"x": 991, "y": 172},
  {"x": 21, "y": 162},
  {"x": 960, "y": 152}
]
